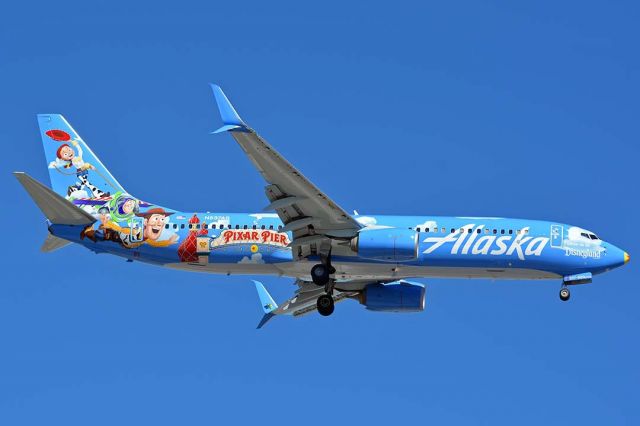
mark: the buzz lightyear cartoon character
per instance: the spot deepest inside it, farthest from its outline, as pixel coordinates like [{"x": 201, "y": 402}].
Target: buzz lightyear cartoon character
[
  {"x": 67, "y": 158},
  {"x": 123, "y": 207},
  {"x": 115, "y": 215}
]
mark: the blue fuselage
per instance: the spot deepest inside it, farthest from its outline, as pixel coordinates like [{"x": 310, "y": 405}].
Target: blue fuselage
[{"x": 444, "y": 246}]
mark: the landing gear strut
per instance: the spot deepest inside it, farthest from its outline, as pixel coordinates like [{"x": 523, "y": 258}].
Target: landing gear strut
[
  {"x": 325, "y": 305},
  {"x": 565, "y": 294},
  {"x": 321, "y": 276}
]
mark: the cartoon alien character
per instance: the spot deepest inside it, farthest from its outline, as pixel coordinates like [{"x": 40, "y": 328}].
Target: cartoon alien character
[{"x": 67, "y": 158}]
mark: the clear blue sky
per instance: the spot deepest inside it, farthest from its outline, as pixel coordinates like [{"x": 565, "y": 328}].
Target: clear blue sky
[{"x": 467, "y": 108}]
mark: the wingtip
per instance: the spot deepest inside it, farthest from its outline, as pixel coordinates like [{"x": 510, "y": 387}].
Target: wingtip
[
  {"x": 228, "y": 113},
  {"x": 265, "y": 319}
]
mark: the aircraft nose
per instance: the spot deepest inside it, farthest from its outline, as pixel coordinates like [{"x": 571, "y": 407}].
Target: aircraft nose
[{"x": 615, "y": 257}]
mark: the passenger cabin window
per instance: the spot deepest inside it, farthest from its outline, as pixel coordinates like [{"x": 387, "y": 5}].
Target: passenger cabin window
[
  {"x": 479, "y": 230},
  {"x": 237, "y": 226},
  {"x": 175, "y": 226},
  {"x": 182, "y": 226},
  {"x": 270, "y": 226},
  {"x": 418, "y": 229},
  {"x": 502, "y": 231},
  {"x": 510, "y": 231},
  {"x": 262, "y": 227}
]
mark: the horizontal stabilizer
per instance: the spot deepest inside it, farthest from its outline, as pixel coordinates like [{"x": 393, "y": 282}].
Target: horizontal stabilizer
[
  {"x": 53, "y": 243},
  {"x": 58, "y": 210}
]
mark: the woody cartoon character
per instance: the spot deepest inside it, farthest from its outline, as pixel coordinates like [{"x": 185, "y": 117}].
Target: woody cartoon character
[
  {"x": 153, "y": 224},
  {"x": 67, "y": 158}
]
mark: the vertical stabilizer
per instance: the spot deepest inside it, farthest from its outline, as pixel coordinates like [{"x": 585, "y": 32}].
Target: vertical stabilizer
[{"x": 74, "y": 170}]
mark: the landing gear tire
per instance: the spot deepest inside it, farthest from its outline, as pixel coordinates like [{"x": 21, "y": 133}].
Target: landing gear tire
[
  {"x": 320, "y": 274},
  {"x": 565, "y": 294},
  {"x": 325, "y": 305}
]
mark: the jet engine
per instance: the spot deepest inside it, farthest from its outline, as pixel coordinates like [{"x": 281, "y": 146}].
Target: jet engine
[
  {"x": 388, "y": 245},
  {"x": 398, "y": 296}
]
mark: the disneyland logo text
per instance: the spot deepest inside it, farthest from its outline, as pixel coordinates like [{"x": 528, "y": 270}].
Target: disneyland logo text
[
  {"x": 593, "y": 254},
  {"x": 468, "y": 240}
]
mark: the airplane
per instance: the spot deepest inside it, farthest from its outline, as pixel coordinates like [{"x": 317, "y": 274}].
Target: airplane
[{"x": 302, "y": 233}]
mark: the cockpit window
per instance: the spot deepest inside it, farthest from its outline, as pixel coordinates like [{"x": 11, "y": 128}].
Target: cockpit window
[{"x": 589, "y": 236}]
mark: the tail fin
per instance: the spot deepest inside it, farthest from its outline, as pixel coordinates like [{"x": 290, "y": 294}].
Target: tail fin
[
  {"x": 58, "y": 210},
  {"x": 267, "y": 302},
  {"x": 74, "y": 170}
]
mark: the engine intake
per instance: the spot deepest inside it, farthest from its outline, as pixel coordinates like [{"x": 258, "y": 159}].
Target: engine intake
[
  {"x": 398, "y": 296},
  {"x": 388, "y": 245}
]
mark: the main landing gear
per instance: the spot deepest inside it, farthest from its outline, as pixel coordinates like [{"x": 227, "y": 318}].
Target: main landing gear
[
  {"x": 565, "y": 294},
  {"x": 325, "y": 305},
  {"x": 321, "y": 276}
]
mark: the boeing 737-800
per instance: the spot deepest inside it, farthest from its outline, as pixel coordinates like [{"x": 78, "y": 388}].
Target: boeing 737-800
[{"x": 302, "y": 233}]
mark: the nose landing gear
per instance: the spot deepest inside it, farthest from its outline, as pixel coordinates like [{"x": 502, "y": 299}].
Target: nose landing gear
[{"x": 565, "y": 294}]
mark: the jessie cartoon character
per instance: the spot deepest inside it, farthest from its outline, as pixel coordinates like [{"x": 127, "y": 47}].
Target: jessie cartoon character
[{"x": 66, "y": 158}]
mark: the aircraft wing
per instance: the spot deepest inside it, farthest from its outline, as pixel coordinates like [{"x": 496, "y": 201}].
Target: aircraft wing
[{"x": 308, "y": 212}]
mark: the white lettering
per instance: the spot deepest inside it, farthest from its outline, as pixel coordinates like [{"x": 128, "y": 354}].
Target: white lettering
[
  {"x": 487, "y": 240},
  {"x": 463, "y": 235},
  {"x": 532, "y": 250},
  {"x": 502, "y": 247}
]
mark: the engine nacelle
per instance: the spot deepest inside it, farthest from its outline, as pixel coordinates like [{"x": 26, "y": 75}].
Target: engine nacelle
[
  {"x": 398, "y": 296},
  {"x": 388, "y": 245}
]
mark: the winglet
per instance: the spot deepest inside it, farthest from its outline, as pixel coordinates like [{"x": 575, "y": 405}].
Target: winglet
[
  {"x": 267, "y": 302},
  {"x": 230, "y": 117}
]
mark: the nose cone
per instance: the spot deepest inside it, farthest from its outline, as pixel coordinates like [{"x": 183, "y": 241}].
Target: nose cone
[{"x": 614, "y": 257}]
